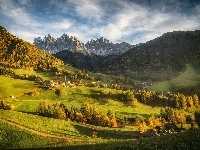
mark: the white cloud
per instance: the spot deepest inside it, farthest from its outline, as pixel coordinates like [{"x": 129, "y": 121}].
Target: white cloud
[
  {"x": 129, "y": 20},
  {"x": 198, "y": 8},
  {"x": 64, "y": 24},
  {"x": 134, "y": 19},
  {"x": 24, "y": 2},
  {"x": 25, "y": 34},
  {"x": 17, "y": 14},
  {"x": 89, "y": 9},
  {"x": 168, "y": 23},
  {"x": 197, "y": 11}
]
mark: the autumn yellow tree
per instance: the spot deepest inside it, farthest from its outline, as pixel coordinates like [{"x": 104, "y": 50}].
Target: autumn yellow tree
[
  {"x": 142, "y": 127},
  {"x": 58, "y": 111},
  {"x": 195, "y": 99}
]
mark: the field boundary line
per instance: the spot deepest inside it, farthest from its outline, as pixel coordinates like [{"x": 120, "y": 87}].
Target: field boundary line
[{"x": 38, "y": 132}]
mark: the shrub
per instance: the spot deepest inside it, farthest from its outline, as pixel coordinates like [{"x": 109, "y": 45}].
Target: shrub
[
  {"x": 10, "y": 107},
  {"x": 44, "y": 109},
  {"x": 5, "y": 106},
  {"x": 60, "y": 92},
  {"x": 59, "y": 113}
]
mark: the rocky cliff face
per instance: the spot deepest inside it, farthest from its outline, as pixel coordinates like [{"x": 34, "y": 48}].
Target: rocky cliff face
[
  {"x": 103, "y": 47},
  {"x": 100, "y": 47},
  {"x": 52, "y": 45}
]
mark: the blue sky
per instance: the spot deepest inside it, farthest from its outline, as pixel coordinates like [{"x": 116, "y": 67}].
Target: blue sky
[{"x": 132, "y": 21}]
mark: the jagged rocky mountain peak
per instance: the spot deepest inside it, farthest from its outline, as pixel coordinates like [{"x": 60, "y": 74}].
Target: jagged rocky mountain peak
[
  {"x": 52, "y": 45},
  {"x": 100, "y": 46}
]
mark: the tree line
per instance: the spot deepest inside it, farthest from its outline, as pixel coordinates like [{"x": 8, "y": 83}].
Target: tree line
[
  {"x": 176, "y": 100},
  {"x": 89, "y": 114},
  {"x": 86, "y": 114}
]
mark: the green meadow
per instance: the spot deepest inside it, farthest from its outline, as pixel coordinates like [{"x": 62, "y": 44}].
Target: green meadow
[
  {"x": 28, "y": 95},
  {"x": 10, "y": 86},
  {"x": 189, "y": 79}
]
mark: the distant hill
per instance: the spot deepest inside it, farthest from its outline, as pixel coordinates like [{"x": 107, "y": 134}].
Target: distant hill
[
  {"x": 16, "y": 53},
  {"x": 159, "y": 59}
]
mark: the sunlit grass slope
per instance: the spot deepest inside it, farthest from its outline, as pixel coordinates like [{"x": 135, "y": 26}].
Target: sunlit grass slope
[
  {"x": 10, "y": 86},
  {"x": 43, "y": 75},
  {"x": 12, "y": 137}
]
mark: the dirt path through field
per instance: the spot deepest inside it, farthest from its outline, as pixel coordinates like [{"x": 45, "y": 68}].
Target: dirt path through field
[{"x": 40, "y": 133}]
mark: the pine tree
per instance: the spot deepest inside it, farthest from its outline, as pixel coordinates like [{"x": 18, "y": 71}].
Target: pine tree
[
  {"x": 195, "y": 99},
  {"x": 189, "y": 101},
  {"x": 183, "y": 102}
]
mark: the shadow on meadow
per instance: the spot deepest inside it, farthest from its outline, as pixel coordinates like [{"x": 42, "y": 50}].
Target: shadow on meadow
[
  {"x": 133, "y": 114},
  {"x": 106, "y": 133},
  {"x": 31, "y": 113},
  {"x": 46, "y": 74},
  {"x": 186, "y": 140}
]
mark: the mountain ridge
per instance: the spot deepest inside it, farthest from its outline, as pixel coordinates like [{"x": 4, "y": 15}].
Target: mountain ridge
[
  {"x": 100, "y": 46},
  {"x": 166, "y": 55},
  {"x": 162, "y": 57}
]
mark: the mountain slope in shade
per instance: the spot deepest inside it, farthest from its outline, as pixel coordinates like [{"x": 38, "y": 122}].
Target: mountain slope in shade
[
  {"x": 161, "y": 58},
  {"x": 17, "y": 53},
  {"x": 81, "y": 61}
]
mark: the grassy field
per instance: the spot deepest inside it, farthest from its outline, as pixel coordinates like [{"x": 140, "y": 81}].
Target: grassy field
[
  {"x": 69, "y": 96},
  {"x": 44, "y": 75},
  {"x": 12, "y": 137},
  {"x": 186, "y": 80},
  {"x": 189, "y": 140},
  {"x": 10, "y": 86},
  {"x": 67, "y": 128},
  {"x": 108, "y": 138},
  {"x": 43, "y": 124},
  {"x": 30, "y": 106},
  {"x": 68, "y": 67},
  {"x": 79, "y": 95}
]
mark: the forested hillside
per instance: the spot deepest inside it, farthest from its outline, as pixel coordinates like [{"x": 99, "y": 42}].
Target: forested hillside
[
  {"x": 16, "y": 53},
  {"x": 159, "y": 59}
]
